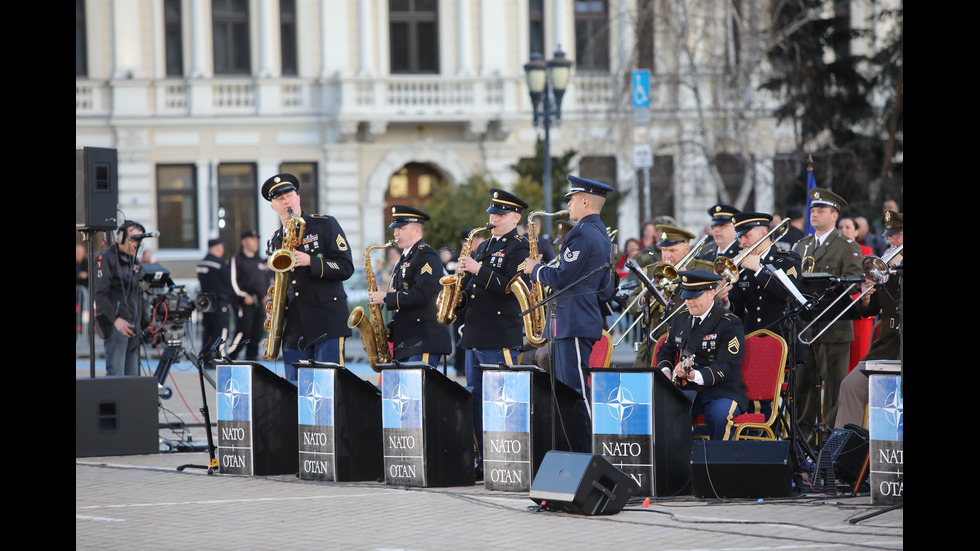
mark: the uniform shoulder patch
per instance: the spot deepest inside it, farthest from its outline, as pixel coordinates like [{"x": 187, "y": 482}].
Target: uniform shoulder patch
[
  {"x": 733, "y": 345},
  {"x": 319, "y": 216},
  {"x": 427, "y": 269},
  {"x": 341, "y": 243}
]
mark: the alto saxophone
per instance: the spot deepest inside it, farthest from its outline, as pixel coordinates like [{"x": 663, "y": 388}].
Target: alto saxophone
[
  {"x": 281, "y": 261},
  {"x": 534, "y": 321},
  {"x": 452, "y": 285},
  {"x": 374, "y": 337}
]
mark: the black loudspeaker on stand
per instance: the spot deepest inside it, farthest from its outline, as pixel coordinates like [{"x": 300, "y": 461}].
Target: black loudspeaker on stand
[
  {"x": 96, "y": 189},
  {"x": 581, "y": 484},
  {"x": 722, "y": 468}
]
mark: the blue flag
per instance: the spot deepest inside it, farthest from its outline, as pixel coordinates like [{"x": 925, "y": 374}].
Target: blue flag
[{"x": 811, "y": 183}]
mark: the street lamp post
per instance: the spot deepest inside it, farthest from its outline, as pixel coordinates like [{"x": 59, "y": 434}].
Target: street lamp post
[{"x": 545, "y": 80}]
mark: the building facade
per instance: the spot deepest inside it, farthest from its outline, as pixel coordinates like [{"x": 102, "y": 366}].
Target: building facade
[{"x": 371, "y": 101}]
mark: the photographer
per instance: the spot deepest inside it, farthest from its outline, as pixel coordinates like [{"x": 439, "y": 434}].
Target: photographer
[{"x": 120, "y": 315}]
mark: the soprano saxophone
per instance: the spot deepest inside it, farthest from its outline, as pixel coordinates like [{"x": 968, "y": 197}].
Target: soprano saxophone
[
  {"x": 534, "y": 321},
  {"x": 281, "y": 261},
  {"x": 374, "y": 336},
  {"x": 452, "y": 285}
]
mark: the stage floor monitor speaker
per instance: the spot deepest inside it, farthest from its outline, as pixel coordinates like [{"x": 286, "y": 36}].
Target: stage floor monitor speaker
[
  {"x": 581, "y": 484},
  {"x": 741, "y": 468},
  {"x": 116, "y": 416}
]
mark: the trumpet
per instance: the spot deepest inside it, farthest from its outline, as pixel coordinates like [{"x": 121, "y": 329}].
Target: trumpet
[
  {"x": 729, "y": 268},
  {"x": 877, "y": 270}
]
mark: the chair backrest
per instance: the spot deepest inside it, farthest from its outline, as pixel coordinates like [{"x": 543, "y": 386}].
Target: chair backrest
[
  {"x": 656, "y": 348},
  {"x": 762, "y": 365},
  {"x": 602, "y": 351}
]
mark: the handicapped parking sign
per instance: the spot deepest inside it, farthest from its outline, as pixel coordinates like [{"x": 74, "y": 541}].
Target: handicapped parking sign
[{"x": 641, "y": 88}]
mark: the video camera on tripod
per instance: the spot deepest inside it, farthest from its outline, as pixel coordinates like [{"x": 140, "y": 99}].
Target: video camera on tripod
[{"x": 169, "y": 304}]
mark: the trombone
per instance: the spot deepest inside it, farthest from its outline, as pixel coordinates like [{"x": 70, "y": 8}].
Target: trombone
[
  {"x": 729, "y": 268},
  {"x": 664, "y": 280},
  {"x": 876, "y": 269}
]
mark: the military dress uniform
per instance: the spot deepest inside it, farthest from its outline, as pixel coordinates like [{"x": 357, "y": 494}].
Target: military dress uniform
[
  {"x": 413, "y": 329},
  {"x": 758, "y": 298},
  {"x": 493, "y": 328},
  {"x": 828, "y": 357},
  {"x": 578, "y": 310},
  {"x": 669, "y": 236},
  {"x": 720, "y": 214},
  {"x": 717, "y": 358},
  {"x": 888, "y": 345},
  {"x": 316, "y": 303}
]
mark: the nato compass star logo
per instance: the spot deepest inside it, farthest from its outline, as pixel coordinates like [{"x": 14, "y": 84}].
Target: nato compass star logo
[
  {"x": 504, "y": 402},
  {"x": 894, "y": 410},
  {"x": 620, "y": 403},
  {"x": 314, "y": 398},
  {"x": 232, "y": 393},
  {"x": 400, "y": 399}
]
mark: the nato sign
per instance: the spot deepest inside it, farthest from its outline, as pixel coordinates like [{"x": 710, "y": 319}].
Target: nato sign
[
  {"x": 234, "y": 418},
  {"x": 507, "y": 430},
  {"x": 316, "y": 424},
  {"x": 256, "y": 420},
  {"x": 401, "y": 422},
  {"x": 886, "y": 424},
  {"x": 622, "y": 432}
]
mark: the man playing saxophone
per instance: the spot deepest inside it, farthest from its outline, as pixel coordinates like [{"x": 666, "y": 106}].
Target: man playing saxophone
[
  {"x": 492, "y": 328},
  {"x": 316, "y": 308},
  {"x": 585, "y": 279},
  {"x": 412, "y": 293}
]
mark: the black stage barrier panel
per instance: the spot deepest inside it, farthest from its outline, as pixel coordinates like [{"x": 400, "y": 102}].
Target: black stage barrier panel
[
  {"x": 581, "y": 484},
  {"x": 257, "y": 417},
  {"x": 427, "y": 427},
  {"x": 742, "y": 468},
  {"x": 642, "y": 425},
  {"x": 116, "y": 416},
  {"x": 339, "y": 424}
]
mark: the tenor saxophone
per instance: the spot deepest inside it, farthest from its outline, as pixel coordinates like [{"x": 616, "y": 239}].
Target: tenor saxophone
[
  {"x": 452, "y": 285},
  {"x": 281, "y": 261},
  {"x": 374, "y": 337},
  {"x": 534, "y": 321}
]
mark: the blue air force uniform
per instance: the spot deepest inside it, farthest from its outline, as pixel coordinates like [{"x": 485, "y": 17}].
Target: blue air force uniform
[{"x": 578, "y": 310}]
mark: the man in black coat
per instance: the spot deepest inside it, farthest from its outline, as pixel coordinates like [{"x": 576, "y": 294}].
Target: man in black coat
[
  {"x": 214, "y": 275},
  {"x": 316, "y": 311},
  {"x": 703, "y": 352},
  {"x": 250, "y": 277},
  {"x": 493, "y": 328},
  {"x": 412, "y": 293},
  {"x": 121, "y": 314}
]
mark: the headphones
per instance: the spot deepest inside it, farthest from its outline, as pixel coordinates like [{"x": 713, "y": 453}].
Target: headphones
[{"x": 123, "y": 231}]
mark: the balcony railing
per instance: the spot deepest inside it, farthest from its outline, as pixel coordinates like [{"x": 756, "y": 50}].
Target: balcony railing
[{"x": 392, "y": 98}]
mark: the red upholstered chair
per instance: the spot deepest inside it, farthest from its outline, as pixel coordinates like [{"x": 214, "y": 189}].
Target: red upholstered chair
[
  {"x": 762, "y": 371},
  {"x": 656, "y": 348},
  {"x": 602, "y": 351}
]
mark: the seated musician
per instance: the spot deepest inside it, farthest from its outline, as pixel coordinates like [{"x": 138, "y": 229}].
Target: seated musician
[{"x": 703, "y": 352}]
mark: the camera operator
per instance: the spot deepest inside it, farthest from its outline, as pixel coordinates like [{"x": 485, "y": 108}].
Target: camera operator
[{"x": 121, "y": 316}]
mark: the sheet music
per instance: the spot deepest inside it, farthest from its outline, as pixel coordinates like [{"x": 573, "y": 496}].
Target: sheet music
[{"x": 787, "y": 283}]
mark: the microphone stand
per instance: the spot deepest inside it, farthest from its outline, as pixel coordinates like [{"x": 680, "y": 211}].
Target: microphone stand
[
  {"x": 550, "y": 330},
  {"x": 212, "y": 466}
]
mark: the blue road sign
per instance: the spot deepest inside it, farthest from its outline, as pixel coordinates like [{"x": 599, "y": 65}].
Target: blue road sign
[{"x": 641, "y": 88}]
